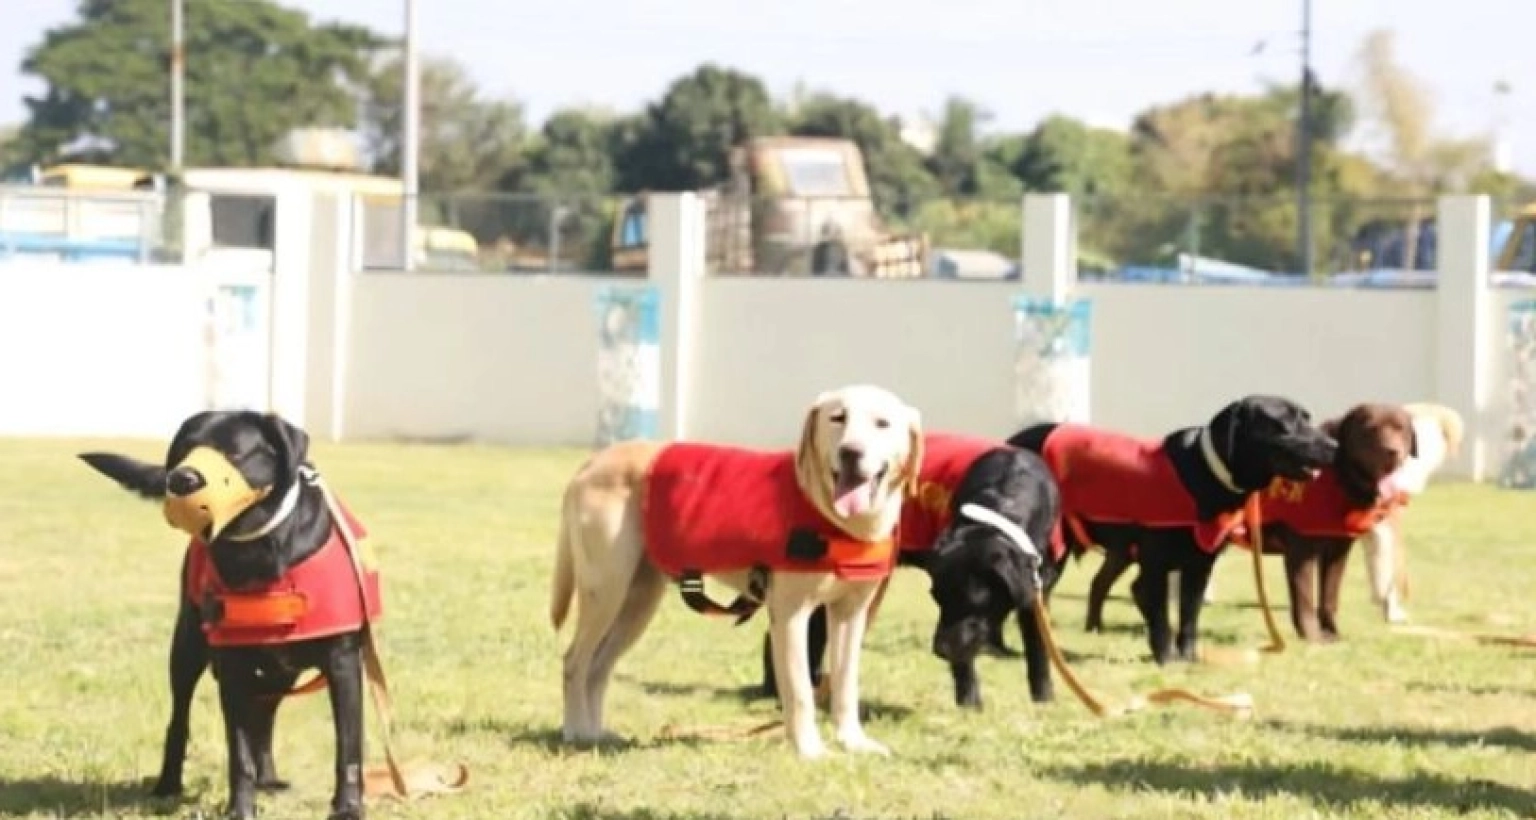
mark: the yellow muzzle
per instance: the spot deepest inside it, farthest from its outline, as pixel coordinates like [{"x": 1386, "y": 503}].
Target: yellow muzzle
[{"x": 205, "y": 492}]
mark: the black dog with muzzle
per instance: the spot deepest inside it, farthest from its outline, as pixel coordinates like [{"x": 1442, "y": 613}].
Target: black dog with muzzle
[{"x": 270, "y": 587}]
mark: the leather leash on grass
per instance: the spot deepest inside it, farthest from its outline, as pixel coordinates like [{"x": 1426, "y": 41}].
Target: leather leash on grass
[
  {"x": 391, "y": 780},
  {"x": 1239, "y": 704}
]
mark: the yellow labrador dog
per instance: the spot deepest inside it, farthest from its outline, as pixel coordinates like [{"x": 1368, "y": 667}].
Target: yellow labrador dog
[
  {"x": 1438, "y": 431},
  {"x": 817, "y": 524}
]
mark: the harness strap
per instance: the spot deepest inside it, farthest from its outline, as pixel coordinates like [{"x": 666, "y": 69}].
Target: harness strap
[
  {"x": 691, "y": 586},
  {"x": 395, "y": 780}
]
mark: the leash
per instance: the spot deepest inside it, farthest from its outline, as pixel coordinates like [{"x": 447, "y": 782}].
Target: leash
[
  {"x": 394, "y": 780},
  {"x": 1253, "y": 519},
  {"x": 1255, "y": 514},
  {"x": 1239, "y": 704}
]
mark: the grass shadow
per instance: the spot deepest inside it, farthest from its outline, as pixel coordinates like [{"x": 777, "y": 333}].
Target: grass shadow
[
  {"x": 1320, "y": 784},
  {"x": 551, "y": 740},
  {"x": 1440, "y": 687},
  {"x": 1504, "y": 736},
  {"x": 597, "y": 811},
  {"x": 55, "y": 797},
  {"x": 752, "y": 693}
]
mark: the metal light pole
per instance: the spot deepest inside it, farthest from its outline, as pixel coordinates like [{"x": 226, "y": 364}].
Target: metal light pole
[
  {"x": 178, "y": 62},
  {"x": 1304, "y": 145},
  {"x": 410, "y": 137}
]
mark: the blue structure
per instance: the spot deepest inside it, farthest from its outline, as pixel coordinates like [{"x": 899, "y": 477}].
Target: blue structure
[{"x": 628, "y": 363}]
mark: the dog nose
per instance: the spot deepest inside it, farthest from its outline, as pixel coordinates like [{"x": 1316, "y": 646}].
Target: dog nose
[
  {"x": 848, "y": 454},
  {"x": 184, "y": 481}
]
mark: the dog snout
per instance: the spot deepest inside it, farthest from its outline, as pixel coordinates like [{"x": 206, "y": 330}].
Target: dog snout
[
  {"x": 850, "y": 459},
  {"x": 184, "y": 481},
  {"x": 957, "y": 641}
]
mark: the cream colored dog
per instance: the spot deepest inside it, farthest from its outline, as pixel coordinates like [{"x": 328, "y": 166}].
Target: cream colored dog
[
  {"x": 1438, "y": 431},
  {"x": 860, "y": 447}
]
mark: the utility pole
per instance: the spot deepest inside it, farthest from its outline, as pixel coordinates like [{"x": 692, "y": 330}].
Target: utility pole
[
  {"x": 178, "y": 63},
  {"x": 410, "y": 130},
  {"x": 1304, "y": 146}
]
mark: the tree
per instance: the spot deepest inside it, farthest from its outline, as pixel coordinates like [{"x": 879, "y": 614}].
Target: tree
[
  {"x": 8, "y": 144},
  {"x": 1402, "y": 110},
  {"x": 254, "y": 71},
  {"x": 960, "y": 160},
  {"x": 897, "y": 178},
  {"x": 684, "y": 141},
  {"x": 1068, "y": 155},
  {"x": 467, "y": 142},
  {"x": 569, "y": 173},
  {"x": 573, "y": 153},
  {"x": 1220, "y": 174}
]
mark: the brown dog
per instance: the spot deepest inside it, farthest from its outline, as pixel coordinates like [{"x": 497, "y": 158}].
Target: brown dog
[{"x": 1315, "y": 525}]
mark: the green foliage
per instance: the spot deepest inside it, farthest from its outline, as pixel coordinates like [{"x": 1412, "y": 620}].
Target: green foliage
[
  {"x": 961, "y": 162},
  {"x": 685, "y": 140},
  {"x": 1210, "y": 174},
  {"x": 1067, "y": 155},
  {"x": 970, "y": 223},
  {"x": 254, "y": 71}
]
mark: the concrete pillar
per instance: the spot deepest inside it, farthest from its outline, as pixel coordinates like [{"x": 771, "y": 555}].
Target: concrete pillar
[
  {"x": 332, "y": 270},
  {"x": 1464, "y": 365},
  {"x": 1049, "y": 246},
  {"x": 293, "y": 232},
  {"x": 675, "y": 224}
]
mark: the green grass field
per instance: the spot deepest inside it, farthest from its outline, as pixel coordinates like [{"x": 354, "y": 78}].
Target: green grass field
[{"x": 1381, "y": 725}]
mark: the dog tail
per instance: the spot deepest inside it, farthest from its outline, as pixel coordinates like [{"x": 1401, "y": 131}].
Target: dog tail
[{"x": 562, "y": 586}]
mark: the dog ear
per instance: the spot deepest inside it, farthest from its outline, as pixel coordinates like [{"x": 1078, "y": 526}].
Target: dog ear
[
  {"x": 805, "y": 454},
  {"x": 1330, "y": 428},
  {"x": 141, "y": 477},
  {"x": 914, "y": 465},
  {"x": 291, "y": 442}
]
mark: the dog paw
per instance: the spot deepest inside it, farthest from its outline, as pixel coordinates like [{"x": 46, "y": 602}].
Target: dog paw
[
  {"x": 349, "y": 813},
  {"x": 857, "y": 741},
  {"x": 811, "y": 750}
]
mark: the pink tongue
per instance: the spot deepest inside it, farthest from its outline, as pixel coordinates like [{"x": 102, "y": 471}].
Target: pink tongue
[{"x": 855, "y": 500}]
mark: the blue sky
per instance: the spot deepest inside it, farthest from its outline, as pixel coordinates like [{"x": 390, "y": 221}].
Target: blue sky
[{"x": 1100, "y": 60}]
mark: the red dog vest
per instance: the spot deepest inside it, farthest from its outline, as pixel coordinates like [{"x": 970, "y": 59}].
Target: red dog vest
[
  {"x": 316, "y": 599},
  {"x": 1111, "y": 478},
  {"x": 1321, "y": 508},
  {"x": 929, "y": 507},
  {"x": 710, "y": 508}
]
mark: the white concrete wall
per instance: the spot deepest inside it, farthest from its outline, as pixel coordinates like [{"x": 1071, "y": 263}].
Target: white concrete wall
[
  {"x": 121, "y": 349},
  {"x": 768, "y": 346},
  {"x": 446, "y": 356},
  {"x": 1169, "y": 356},
  {"x": 100, "y": 350}
]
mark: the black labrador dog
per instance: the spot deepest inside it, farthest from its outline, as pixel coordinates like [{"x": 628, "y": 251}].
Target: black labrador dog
[
  {"x": 984, "y": 545},
  {"x": 1314, "y": 525},
  {"x": 1170, "y": 503},
  {"x": 265, "y": 595}
]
